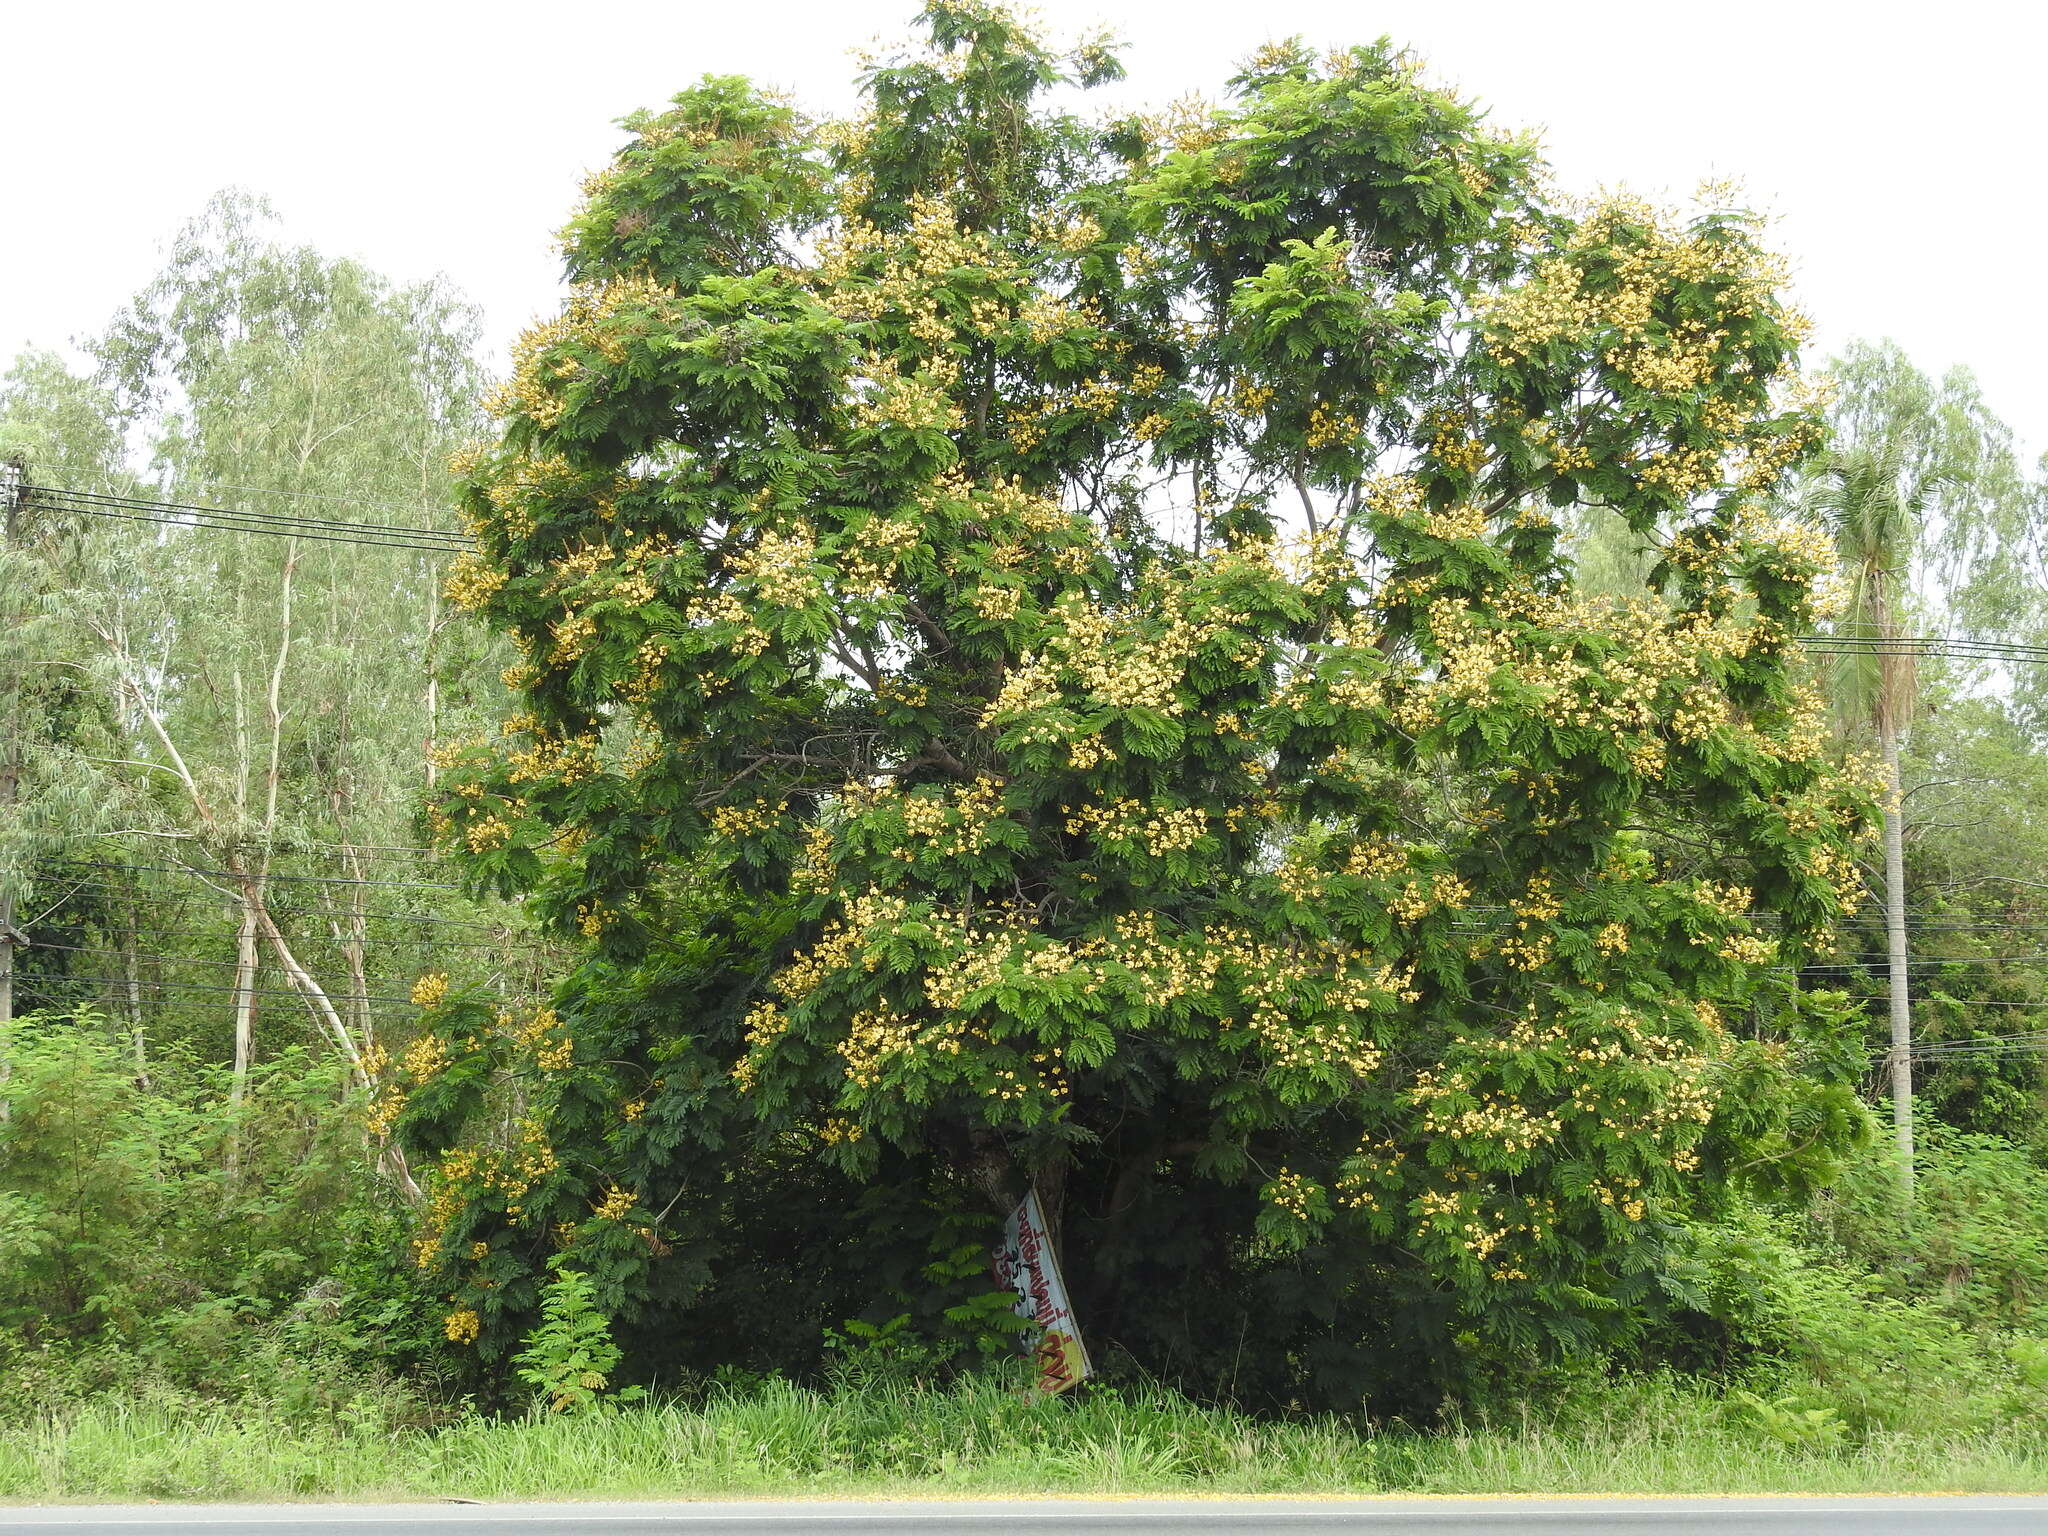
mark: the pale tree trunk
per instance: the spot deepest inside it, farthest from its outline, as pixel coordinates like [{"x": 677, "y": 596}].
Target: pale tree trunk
[
  {"x": 245, "y": 1036},
  {"x": 361, "y": 1071},
  {"x": 131, "y": 977},
  {"x": 351, "y": 938},
  {"x": 245, "y": 1003},
  {"x": 431, "y": 742},
  {"x": 6, "y": 1002},
  {"x": 1897, "y": 957},
  {"x": 249, "y": 891},
  {"x": 1896, "y": 681},
  {"x": 12, "y": 475}
]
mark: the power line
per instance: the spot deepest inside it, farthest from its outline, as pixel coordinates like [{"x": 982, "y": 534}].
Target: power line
[
  {"x": 181, "y": 510},
  {"x": 340, "y": 501},
  {"x": 28, "y": 983},
  {"x": 313, "y": 937},
  {"x": 196, "y": 869},
  {"x": 288, "y": 905},
  {"x": 1879, "y": 965},
  {"x": 239, "y": 522},
  {"x": 283, "y": 846},
  {"x": 367, "y": 997},
  {"x": 1959, "y": 647},
  {"x": 1975, "y": 1002},
  {"x": 226, "y": 525}
]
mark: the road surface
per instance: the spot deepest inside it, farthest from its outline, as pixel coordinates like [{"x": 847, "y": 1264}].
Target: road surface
[{"x": 1826, "y": 1515}]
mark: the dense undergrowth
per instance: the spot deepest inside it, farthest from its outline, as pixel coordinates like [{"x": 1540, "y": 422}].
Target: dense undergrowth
[{"x": 174, "y": 1331}]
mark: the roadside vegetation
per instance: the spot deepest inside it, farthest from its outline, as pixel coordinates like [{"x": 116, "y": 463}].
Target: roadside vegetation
[
  {"x": 1634, "y": 1434},
  {"x": 1357, "y": 728}
]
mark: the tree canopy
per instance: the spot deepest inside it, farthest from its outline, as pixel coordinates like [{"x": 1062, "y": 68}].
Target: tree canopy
[{"x": 1048, "y": 658}]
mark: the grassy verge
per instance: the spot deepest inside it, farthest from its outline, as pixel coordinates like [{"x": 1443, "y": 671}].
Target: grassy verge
[{"x": 777, "y": 1439}]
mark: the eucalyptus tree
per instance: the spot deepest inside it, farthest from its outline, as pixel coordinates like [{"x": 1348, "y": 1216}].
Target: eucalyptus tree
[
  {"x": 281, "y": 689},
  {"x": 1925, "y": 499},
  {"x": 56, "y": 424}
]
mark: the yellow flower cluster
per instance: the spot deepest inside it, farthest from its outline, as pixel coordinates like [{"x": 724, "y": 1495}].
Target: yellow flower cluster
[
  {"x": 867, "y": 566},
  {"x": 995, "y": 603},
  {"x": 472, "y": 581},
  {"x": 782, "y": 566},
  {"x": 817, "y": 862},
  {"x": 1729, "y": 900},
  {"x": 865, "y": 273},
  {"x": 486, "y": 831},
  {"x": 765, "y": 1024},
  {"x": 1453, "y": 523},
  {"x": 1291, "y": 1192},
  {"x": 616, "y": 1205},
  {"x": 1416, "y": 900},
  {"x": 1374, "y": 858},
  {"x": 1163, "y": 829},
  {"x": 1127, "y": 667},
  {"x": 1491, "y": 1118},
  {"x": 737, "y": 821},
  {"x": 918, "y": 402},
  {"x": 1643, "y": 261},
  {"x": 384, "y": 1112},
  {"x": 545, "y": 357},
  {"x": 869, "y": 915},
  {"x": 519, "y": 485},
  {"x": 568, "y": 760},
  {"x": 724, "y": 608},
  {"x": 428, "y": 991},
  {"x": 1329, "y": 429},
  {"x": 1454, "y": 448},
  {"x": 426, "y": 1056},
  {"x": 877, "y": 1036}
]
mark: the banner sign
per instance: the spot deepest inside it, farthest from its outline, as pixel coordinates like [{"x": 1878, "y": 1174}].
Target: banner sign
[{"x": 1024, "y": 1263}]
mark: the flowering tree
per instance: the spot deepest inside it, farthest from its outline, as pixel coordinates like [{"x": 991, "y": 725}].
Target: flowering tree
[{"x": 1048, "y": 660}]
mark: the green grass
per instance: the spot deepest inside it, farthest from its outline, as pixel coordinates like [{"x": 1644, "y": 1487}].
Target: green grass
[{"x": 972, "y": 1439}]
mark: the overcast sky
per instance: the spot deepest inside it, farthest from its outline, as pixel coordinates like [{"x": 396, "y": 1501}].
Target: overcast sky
[{"x": 1898, "y": 145}]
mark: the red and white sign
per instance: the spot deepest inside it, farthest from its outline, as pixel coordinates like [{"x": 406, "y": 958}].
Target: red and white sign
[{"x": 1024, "y": 1262}]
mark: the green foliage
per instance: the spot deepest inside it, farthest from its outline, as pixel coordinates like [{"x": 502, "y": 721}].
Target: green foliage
[
  {"x": 886, "y": 1436},
  {"x": 1891, "y": 1320},
  {"x": 118, "y": 1212},
  {"x": 1790, "y": 1424},
  {"x": 1047, "y": 660},
  {"x": 1976, "y": 1243},
  {"x": 569, "y": 1358},
  {"x": 162, "y": 1242}
]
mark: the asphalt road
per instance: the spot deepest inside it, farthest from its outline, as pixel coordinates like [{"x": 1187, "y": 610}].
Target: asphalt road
[{"x": 1820, "y": 1516}]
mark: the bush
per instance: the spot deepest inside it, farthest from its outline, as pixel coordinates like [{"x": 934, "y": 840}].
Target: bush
[{"x": 161, "y": 1242}]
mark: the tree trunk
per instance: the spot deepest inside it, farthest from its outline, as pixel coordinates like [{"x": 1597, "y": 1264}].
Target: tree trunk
[
  {"x": 131, "y": 977},
  {"x": 1897, "y": 954},
  {"x": 12, "y": 475},
  {"x": 6, "y": 1001},
  {"x": 431, "y": 740},
  {"x": 245, "y": 1002}
]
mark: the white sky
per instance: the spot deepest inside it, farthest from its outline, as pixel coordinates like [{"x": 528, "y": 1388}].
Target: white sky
[{"x": 1897, "y": 144}]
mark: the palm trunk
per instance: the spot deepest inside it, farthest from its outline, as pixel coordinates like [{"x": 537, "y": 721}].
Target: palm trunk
[
  {"x": 1897, "y": 954},
  {"x": 12, "y": 475}
]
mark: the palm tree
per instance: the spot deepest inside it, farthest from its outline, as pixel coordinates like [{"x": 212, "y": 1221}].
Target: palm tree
[
  {"x": 1875, "y": 508},
  {"x": 1920, "y": 481}
]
